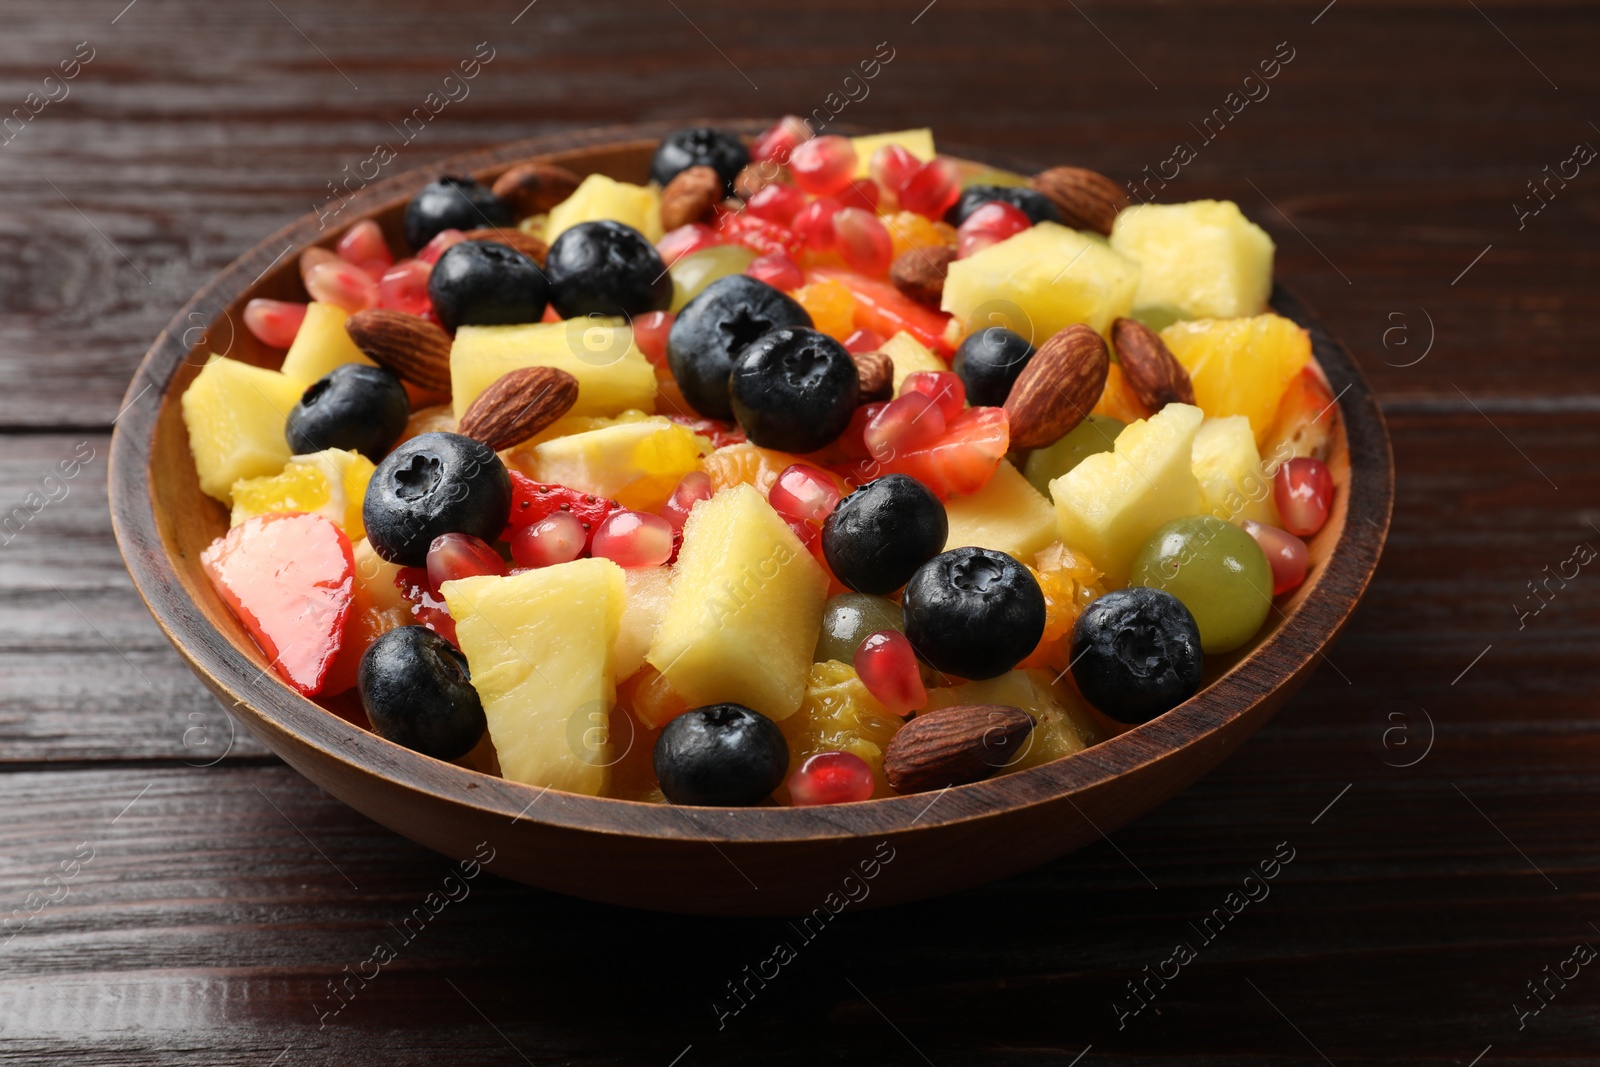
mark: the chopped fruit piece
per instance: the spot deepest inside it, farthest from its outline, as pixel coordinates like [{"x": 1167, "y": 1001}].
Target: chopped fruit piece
[
  {"x": 909, "y": 356},
  {"x": 1041, "y": 281},
  {"x": 1304, "y": 422},
  {"x": 720, "y": 434},
  {"x": 892, "y": 166},
  {"x": 1303, "y": 488},
  {"x": 961, "y": 461},
  {"x": 918, "y": 144},
  {"x": 778, "y": 143},
  {"x": 1232, "y": 482},
  {"x": 989, "y": 225},
  {"x": 291, "y": 580},
  {"x": 1202, "y": 259},
  {"x": 235, "y": 415},
  {"x": 686, "y": 241},
  {"x": 692, "y": 488},
  {"x": 345, "y": 285},
  {"x": 375, "y": 609},
  {"x": 758, "y": 235},
  {"x": 532, "y": 501},
  {"x": 1097, "y": 433},
  {"x": 1110, "y": 503},
  {"x": 830, "y": 778},
  {"x": 439, "y": 244},
  {"x": 838, "y": 714},
  {"x": 648, "y": 590},
  {"x": 613, "y": 374},
  {"x": 911, "y": 421},
  {"x": 1240, "y": 366},
  {"x": 650, "y": 334},
  {"x": 651, "y": 697},
  {"x": 363, "y": 245},
  {"x": 274, "y": 322},
  {"x": 777, "y": 270},
  {"x": 1118, "y": 400},
  {"x": 1070, "y": 583},
  {"x": 863, "y": 241},
  {"x": 880, "y": 307},
  {"x": 404, "y": 287},
  {"x": 776, "y": 202},
  {"x": 376, "y": 577},
  {"x": 332, "y": 483},
  {"x": 932, "y": 189},
  {"x": 599, "y": 197},
  {"x": 425, "y": 605},
  {"x": 540, "y": 645},
  {"x": 909, "y": 230},
  {"x": 745, "y": 608},
  {"x": 887, "y": 665},
  {"x": 1286, "y": 554},
  {"x": 803, "y": 493},
  {"x": 633, "y": 539},
  {"x": 633, "y": 775},
  {"x": 747, "y": 464},
  {"x": 637, "y": 464},
  {"x": 945, "y": 388},
  {"x": 1062, "y": 724},
  {"x": 863, "y": 341},
  {"x": 557, "y": 538},
  {"x": 823, "y": 166},
  {"x": 1007, "y": 515},
  {"x": 456, "y": 555},
  {"x": 831, "y": 307}
]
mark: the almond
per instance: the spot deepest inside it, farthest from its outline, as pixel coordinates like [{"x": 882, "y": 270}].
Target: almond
[
  {"x": 1087, "y": 200},
  {"x": 526, "y": 243},
  {"x": 919, "y": 272},
  {"x": 690, "y": 197},
  {"x": 875, "y": 375},
  {"x": 411, "y": 346},
  {"x": 953, "y": 746},
  {"x": 518, "y": 405},
  {"x": 534, "y": 188},
  {"x": 1149, "y": 367},
  {"x": 1058, "y": 387}
]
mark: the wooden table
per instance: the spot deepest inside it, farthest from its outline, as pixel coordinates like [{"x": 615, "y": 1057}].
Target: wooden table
[{"x": 178, "y": 896}]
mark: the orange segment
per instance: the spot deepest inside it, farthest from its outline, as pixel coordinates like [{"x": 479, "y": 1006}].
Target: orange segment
[
  {"x": 1070, "y": 583},
  {"x": 1118, "y": 400},
  {"x": 830, "y": 305}
]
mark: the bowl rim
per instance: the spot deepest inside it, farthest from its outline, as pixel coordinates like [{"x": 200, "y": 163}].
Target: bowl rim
[{"x": 1286, "y": 655}]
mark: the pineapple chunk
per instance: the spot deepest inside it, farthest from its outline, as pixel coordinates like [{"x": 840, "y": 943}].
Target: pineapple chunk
[
  {"x": 1007, "y": 515},
  {"x": 1202, "y": 259},
  {"x": 600, "y": 197},
  {"x": 322, "y": 344},
  {"x": 745, "y": 608},
  {"x": 1041, "y": 281},
  {"x": 641, "y": 618},
  {"x": 332, "y": 483},
  {"x": 1062, "y": 724},
  {"x": 1240, "y": 366},
  {"x": 909, "y": 355},
  {"x": 637, "y": 464},
  {"x": 540, "y": 646},
  {"x": 377, "y": 576},
  {"x": 234, "y": 413},
  {"x": 1229, "y": 470},
  {"x": 918, "y": 142},
  {"x": 612, "y": 373},
  {"x": 1110, "y": 503}
]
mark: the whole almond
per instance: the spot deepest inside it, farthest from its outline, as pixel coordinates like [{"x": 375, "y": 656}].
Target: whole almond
[
  {"x": 526, "y": 243},
  {"x": 518, "y": 405},
  {"x": 1149, "y": 367},
  {"x": 689, "y": 197},
  {"x": 1086, "y": 199},
  {"x": 411, "y": 346},
  {"x": 534, "y": 188},
  {"x": 874, "y": 375},
  {"x": 1058, "y": 387},
  {"x": 920, "y": 272},
  {"x": 953, "y": 746}
]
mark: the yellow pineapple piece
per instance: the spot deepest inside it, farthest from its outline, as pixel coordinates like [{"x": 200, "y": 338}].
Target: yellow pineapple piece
[
  {"x": 831, "y": 306},
  {"x": 612, "y": 373},
  {"x": 235, "y": 414},
  {"x": 1202, "y": 259},
  {"x": 376, "y": 576},
  {"x": 918, "y": 142},
  {"x": 648, "y": 588},
  {"x": 540, "y": 646},
  {"x": 600, "y": 197},
  {"x": 322, "y": 344},
  {"x": 910, "y": 355},
  {"x": 1240, "y": 366},
  {"x": 1007, "y": 515},
  {"x": 745, "y": 608},
  {"x": 637, "y": 464},
  {"x": 1232, "y": 479},
  {"x": 1061, "y": 723},
  {"x": 331, "y": 483},
  {"x": 1070, "y": 583},
  {"x": 1040, "y": 281},
  {"x": 838, "y": 714}
]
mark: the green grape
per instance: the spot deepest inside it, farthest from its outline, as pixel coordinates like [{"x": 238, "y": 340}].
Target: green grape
[
  {"x": 1097, "y": 433},
  {"x": 1157, "y": 316},
  {"x": 695, "y": 271},
  {"x": 848, "y": 619},
  {"x": 1217, "y": 571}
]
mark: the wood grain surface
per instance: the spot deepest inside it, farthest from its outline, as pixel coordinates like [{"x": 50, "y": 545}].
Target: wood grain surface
[{"x": 224, "y": 893}]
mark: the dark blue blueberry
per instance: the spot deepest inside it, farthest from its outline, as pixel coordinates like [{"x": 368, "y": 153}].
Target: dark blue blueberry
[
  {"x": 418, "y": 693},
  {"x": 606, "y": 268},
  {"x": 973, "y": 612},
  {"x": 715, "y": 327},
  {"x": 484, "y": 283},
  {"x": 1031, "y": 202},
  {"x": 880, "y": 534},
  {"x": 793, "y": 389},
  {"x": 700, "y": 146},
  {"x": 452, "y": 203},
  {"x": 721, "y": 755},
  {"x": 1136, "y": 653},
  {"x": 435, "y": 483},
  {"x": 354, "y": 407},
  {"x": 988, "y": 362}
]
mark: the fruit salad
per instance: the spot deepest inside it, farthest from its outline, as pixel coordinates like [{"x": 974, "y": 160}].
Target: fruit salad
[{"x": 812, "y": 471}]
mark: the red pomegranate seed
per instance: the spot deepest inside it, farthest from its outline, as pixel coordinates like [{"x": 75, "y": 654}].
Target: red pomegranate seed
[
  {"x": 777, "y": 270},
  {"x": 853, "y": 441},
  {"x": 989, "y": 225},
  {"x": 803, "y": 492},
  {"x": 650, "y": 334},
  {"x": 404, "y": 287},
  {"x": 430, "y": 252},
  {"x": 863, "y": 241},
  {"x": 343, "y": 284},
  {"x": 1303, "y": 490},
  {"x": 1285, "y": 552},
  {"x": 778, "y": 143},
  {"x": 684, "y": 240},
  {"x": 947, "y": 390},
  {"x": 814, "y": 224},
  {"x": 274, "y": 322},
  {"x": 887, "y": 666},
  {"x": 778, "y": 202},
  {"x": 761, "y": 235},
  {"x": 556, "y": 538},
  {"x": 863, "y": 341},
  {"x": 905, "y": 423},
  {"x": 893, "y": 165},
  {"x": 831, "y": 778},
  {"x": 459, "y": 555},
  {"x": 823, "y": 166},
  {"x": 363, "y": 245},
  {"x": 932, "y": 190},
  {"x": 692, "y": 488},
  {"x": 862, "y": 193},
  {"x": 633, "y": 539}
]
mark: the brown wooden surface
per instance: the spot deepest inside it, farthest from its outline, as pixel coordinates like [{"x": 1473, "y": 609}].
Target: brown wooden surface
[{"x": 218, "y": 906}]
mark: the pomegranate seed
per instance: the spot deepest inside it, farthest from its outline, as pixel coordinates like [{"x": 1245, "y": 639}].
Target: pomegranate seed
[
  {"x": 862, "y": 193},
  {"x": 779, "y": 143},
  {"x": 887, "y": 666},
  {"x": 905, "y": 423},
  {"x": 831, "y": 778},
  {"x": 893, "y": 165},
  {"x": 342, "y": 284},
  {"x": 404, "y": 287},
  {"x": 947, "y": 390},
  {"x": 1285, "y": 552},
  {"x": 932, "y": 190},
  {"x": 1303, "y": 490},
  {"x": 459, "y": 555},
  {"x": 758, "y": 234},
  {"x": 814, "y": 224},
  {"x": 989, "y": 225},
  {"x": 684, "y": 240},
  {"x": 778, "y": 202},
  {"x": 777, "y": 270},
  {"x": 823, "y": 166},
  {"x": 274, "y": 322},
  {"x": 633, "y": 539},
  {"x": 863, "y": 241},
  {"x": 853, "y": 441},
  {"x": 556, "y": 538},
  {"x": 692, "y": 488},
  {"x": 650, "y": 334},
  {"x": 430, "y": 252},
  {"x": 803, "y": 492},
  {"x": 863, "y": 341},
  {"x": 363, "y": 245}
]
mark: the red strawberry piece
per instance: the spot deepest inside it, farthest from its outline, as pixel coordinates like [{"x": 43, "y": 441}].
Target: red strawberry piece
[
  {"x": 882, "y": 308},
  {"x": 958, "y": 462},
  {"x": 532, "y": 501},
  {"x": 427, "y": 607}
]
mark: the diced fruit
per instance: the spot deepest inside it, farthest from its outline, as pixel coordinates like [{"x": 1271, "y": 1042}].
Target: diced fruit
[
  {"x": 650, "y": 334},
  {"x": 1069, "y": 583},
  {"x": 532, "y": 501},
  {"x": 1041, "y": 281},
  {"x": 332, "y": 484},
  {"x": 633, "y": 539},
  {"x": 291, "y": 580},
  {"x": 1118, "y": 401},
  {"x": 909, "y": 230},
  {"x": 745, "y": 607},
  {"x": 541, "y": 648},
  {"x": 880, "y": 307},
  {"x": 557, "y": 538},
  {"x": 830, "y": 305},
  {"x": 637, "y": 464},
  {"x": 1062, "y": 725},
  {"x": 235, "y": 415},
  {"x": 990, "y": 224},
  {"x": 1007, "y": 515},
  {"x": 1286, "y": 554},
  {"x": 778, "y": 271},
  {"x": 1111, "y": 502},
  {"x": 932, "y": 189},
  {"x": 600, "y": 197},
  {"x": 823, "y": 166},
  {"x": 1202, "y": 259},
  {"x": 651, "y": 697},
  {"x": 1240, "y": 366},
  {"x": 909, "y": 356},
  {"x": 274, "y": 322},
  {"x": 916, "y": 143},
  {"x": 455, "y": 555},
  {"x": 1305, "y": 420},
  {"x": 436, "y": 419},
  {"x": 912, "y": 420},
  {"x": 747, "y": 464},
  {"x": 1095, "y": 434},
  {"x": 1303, "y": 489},
  {"x": 686, "y": 241},
  {"x": 862, "y": 241},
  {"x": 838, "y": 714},
  {"x": 887, "y": 665},
  {"x": 613, "y": 374},
  {"x": 863, "y": 341},
  {"x": 1232, "y": 482},
  {"x": 633, "y": 775},
  {"x": 830, "y": 778},
  {"x": 961, "y": 461},
  {"x": 758, "y": 235},
  {"x": 648, "y": 591},
  {"x": 375, "y": 576},
  {"x": 376, "y": 608}
]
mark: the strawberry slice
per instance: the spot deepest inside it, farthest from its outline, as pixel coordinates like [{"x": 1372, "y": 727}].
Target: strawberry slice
[
  {"x": 957, "y": 462},
  {"x": 427, "y": 607},
  {"x": 885, "y": 310},
  {"x": 290, "y": 578},
  {"x": 532, "y": 501}
]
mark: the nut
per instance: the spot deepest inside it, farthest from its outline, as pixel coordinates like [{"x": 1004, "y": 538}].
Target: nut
[
  {"x": 518, "y": 405},
  {"x": 1087, "y": 200},
  {"x": 1149, "y": 367},
  {"x": 526, "y": 243},
  {"x": 1058, "y": 387},
  {"x": 690, "y": 197},
  {"x": 874, "y": 375},
  {"x": 411, "y": 346},
  {"x": 534, "y": 188},
  {"x": 954, "y": 746},
  {"x": 752, "y": 179},
  {"x": 919, "y": 272}
]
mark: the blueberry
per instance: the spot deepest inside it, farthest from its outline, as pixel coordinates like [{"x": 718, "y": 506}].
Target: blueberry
[
  {"x": 435, "y": 483},
  {"x": 880, "y": 534},
  {"x": 973, "y": 612},
  {"x": 606, "y": 268},
  {"x": 715, "y": 327},
  {"x": 988, "y": 362},
  {"x": 793, "y": 389},
  {"x": 484, "y": 283},
  {"x": 1030, "y": 202},
  {"x": 700, "y": 146},
  {"x": 721, "y": 755},
  {"x": 1136, "y": 653},
  {"x": 355, "y": 407},
  {"x": 418, "y": 693},
  {"x": 452, "y": 203}
]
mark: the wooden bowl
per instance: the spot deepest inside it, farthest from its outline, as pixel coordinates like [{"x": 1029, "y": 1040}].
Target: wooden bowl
[{"x": 726, "y": 861}]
